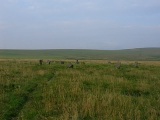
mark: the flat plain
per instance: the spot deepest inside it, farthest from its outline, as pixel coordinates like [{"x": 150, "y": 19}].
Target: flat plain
[
  {"x": 140, "y": 54},
  {"x": 91, "y": 90}
]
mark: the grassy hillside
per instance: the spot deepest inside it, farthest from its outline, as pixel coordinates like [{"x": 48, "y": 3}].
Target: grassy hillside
[
  {"x": 128, "y": 54},
  {"x": 90, "y": 91}
]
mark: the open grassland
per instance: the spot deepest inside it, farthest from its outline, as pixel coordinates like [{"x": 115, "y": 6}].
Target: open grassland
[
  {"x": 128, "y": 54},
  {"x": 92, "y": 90}
]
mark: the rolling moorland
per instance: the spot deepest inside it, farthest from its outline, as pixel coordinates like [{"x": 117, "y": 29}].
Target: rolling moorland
[
  {"x": 91, "y": 90},
  {"x": 141, "y": 54}
]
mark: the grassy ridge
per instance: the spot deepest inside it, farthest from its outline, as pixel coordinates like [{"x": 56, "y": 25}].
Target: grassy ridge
[
  {"x": 130, "y": 54},
  {"x": 90, "y": 91}
]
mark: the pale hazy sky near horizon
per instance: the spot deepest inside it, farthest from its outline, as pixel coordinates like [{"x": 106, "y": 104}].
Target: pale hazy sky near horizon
[{"x": 79, "y": 24}]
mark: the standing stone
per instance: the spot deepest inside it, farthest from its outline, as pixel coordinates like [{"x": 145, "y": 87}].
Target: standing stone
[
  {"x": 70, "y": 66},
  {"x": 40, "y": 62}
]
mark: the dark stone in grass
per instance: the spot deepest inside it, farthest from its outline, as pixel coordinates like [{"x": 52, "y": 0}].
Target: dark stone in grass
[
  {"x": 40, "y": 62},
  {"x": 48, "y": 62},
  {"x": 70, "y": 66},
  {"x": 136, "y": 64},
  {"x": 118, "y": 65},
  {"x": 62, "y": 62},
  {"x": 77, "y": 62}
]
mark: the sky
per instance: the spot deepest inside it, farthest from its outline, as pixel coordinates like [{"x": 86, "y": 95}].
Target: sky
[{"x": 79, "y": 24}]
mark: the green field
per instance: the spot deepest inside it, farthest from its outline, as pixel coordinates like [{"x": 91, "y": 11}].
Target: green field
[
  {"x": 144, "y": 54},
  {"x": 92, "y": 90}
]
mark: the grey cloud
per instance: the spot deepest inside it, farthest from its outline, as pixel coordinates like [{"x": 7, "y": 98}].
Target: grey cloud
[{"x": 85, "y": 24}]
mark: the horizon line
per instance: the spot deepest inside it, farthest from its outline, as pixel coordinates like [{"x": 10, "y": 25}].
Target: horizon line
[{"x": 82, "y": 49}]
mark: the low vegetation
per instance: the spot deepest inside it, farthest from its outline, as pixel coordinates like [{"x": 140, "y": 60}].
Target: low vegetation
[
  {"x": 91, "y": 90},
  {"x": 145, "y": 54}
]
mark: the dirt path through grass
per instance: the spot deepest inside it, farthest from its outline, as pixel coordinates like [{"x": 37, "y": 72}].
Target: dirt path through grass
[
  {"x": 18, "y": 86},
  {"x": 28, "y": 96}
]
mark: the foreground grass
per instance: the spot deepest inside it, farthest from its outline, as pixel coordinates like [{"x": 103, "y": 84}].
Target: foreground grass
[{"x": 91, "y": 91}]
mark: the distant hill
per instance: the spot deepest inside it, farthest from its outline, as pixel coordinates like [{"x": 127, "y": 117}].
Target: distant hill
[{"x": 126, "y": 54}]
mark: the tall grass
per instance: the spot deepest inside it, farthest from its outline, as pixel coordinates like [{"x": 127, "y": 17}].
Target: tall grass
[{"x": 90, "y": 91}]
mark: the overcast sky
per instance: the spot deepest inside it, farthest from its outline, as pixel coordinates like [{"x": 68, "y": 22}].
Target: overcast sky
[{"x": 79, "y": 24}]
